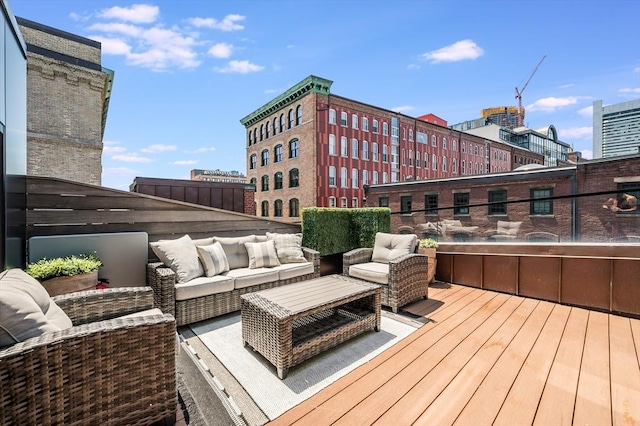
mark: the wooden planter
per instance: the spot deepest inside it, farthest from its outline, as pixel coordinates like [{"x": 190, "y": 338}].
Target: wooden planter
[
  {"x": 63, "y": 285},
  {"x": 431, "y": 253}
]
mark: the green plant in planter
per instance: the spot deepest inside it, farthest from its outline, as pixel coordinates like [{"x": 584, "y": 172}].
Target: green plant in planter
[
  {"x": 67, "y": 266},
  {"x": 428, "y": 243}
]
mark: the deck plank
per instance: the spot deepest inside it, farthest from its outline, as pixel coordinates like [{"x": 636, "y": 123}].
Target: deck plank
[{"x": 625, "y": 372}]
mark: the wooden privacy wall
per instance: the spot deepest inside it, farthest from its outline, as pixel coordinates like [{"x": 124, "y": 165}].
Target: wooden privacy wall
[{"x": 61, "y": 207}]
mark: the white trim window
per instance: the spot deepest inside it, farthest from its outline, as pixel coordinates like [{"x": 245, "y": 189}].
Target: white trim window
[
  {"x": 434, "y": 140},
  {"x": 418, "y": 157},
  {"x": 354, "y": 202},
  {"x": 365, "y": 150},
  {"x": 374, "y": 179},
  {"x": 434, "y": 162},
  {"x": 343, "y": 202},
  {"x": 365, "y": 177},
  {"x": 344, "y": 149},
  {"x": 444, "y": 164},
  {"x": 343, "y": 177},
  {"x": 332, "y": 116},
  {"x": 365, "y": 124},
  {"x": 332, "y": 176},
  {"x": 374, "y": 151},
  {"x": 375, "y": 126},
  {"x": 343, "y": 118},
  {"x": 332, "y": 145},
  {"x": 354, "y": 148},
  {"x": 354, "y": 178},
  {"x": 354, "y": 121},
  {"x": 410, "y": 135},
  {"x": 385, "y": 177},
  {"x": 444, "y": 143},
  {"x": 332, "y": 201},
  {"x": 385, "y": 128}
]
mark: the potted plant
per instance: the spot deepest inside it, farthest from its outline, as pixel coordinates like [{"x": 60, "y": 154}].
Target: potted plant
[
  {"x": 428, "y": 246},
  {"x": 67, "y": 274}
]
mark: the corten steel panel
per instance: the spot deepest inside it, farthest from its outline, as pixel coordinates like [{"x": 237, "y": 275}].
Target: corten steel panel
[
  {"x": 216, "y": 197},
  {"x": 238, "y": 200},
  {"x": 467, "y": 270},
  {"x": 163, "y": 191},
  {"x": 227, "y": 199},
  {"x": 500, "y": 273},
  {"x": 191, "y": 195},
  {"x": 204, "y": 196},
  {"x": 585, "y": 282},
  {"x": 540, "y": 277},
  {"x": 626, "y": 286},
  {"x": 177, "y": 193},
  {"x": 443, "y": 267}
]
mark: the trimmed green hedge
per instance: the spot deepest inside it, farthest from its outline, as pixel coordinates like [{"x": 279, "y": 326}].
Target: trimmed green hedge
[{"x": 338, "y": 230}]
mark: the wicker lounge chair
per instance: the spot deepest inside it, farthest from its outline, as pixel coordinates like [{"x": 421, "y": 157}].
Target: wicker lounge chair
[
  {"x": 505, "y": 231},
  {"x": 392, "y": 263},
  {"x": 104, "y": 369}
]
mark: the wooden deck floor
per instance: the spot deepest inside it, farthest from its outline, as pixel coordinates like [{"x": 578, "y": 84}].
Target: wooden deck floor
[{"x": 490, "y": 358}]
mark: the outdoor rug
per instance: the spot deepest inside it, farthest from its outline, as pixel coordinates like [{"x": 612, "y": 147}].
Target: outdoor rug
[{"x": 223, "y": 337}]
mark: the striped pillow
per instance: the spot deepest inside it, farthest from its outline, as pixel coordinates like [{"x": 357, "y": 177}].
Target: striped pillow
[
  {"x": 262, "y": 255},
  {"x": 288, "y": 247},
  {"x": 213, "y": 259}
]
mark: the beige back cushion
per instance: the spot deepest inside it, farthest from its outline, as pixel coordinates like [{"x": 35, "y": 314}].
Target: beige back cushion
[
  {"x": 236, "y": 251},
  {"x": 26, "y": 309},
  {"x": 289, "y": 247},
  {"x": 181, "y": 256},
  {"x": 508, "y": 228},
  {"x": 389, "y": 246}
]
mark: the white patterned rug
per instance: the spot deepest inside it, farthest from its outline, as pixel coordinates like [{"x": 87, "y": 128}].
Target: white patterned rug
[{"x": 223, "y": 337}]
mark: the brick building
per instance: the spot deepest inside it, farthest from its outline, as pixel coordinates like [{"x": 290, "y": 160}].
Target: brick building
[
  {"x": 308, "y": 147},
  {"x": 477, "y": 200},
  {"x": 68, "y": 94},
  {"x": 217, "y": 175}
]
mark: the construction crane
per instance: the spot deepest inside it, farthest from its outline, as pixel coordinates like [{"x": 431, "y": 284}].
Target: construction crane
[{"x": 519, "y": 92}]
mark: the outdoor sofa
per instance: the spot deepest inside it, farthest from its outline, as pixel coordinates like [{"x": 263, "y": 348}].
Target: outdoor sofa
[{"x": 201, "y": 279}]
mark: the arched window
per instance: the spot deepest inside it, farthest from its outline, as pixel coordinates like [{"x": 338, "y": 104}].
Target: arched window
[
  {"x": 281, "y": 122},
  {"x": 250, "y": 137},
  {"x": 294, "y": 148},
  {"x": 265, "y": 183},
  {"x": 253, "y": 181},
  {"x": 365, "y": 150},
  {"x": 294, "y": 178},
  {"x": 277, "y": 180},
  {"x": 265, "y": 209},
  {"x": 277, "y": 208},
  {"x": 275, "y": 126},
  {"x": 265, "y": 157},
  {"x": 332, "y": 176},
  {"x": 253, "y": 161},
  {"x": 299, "y": 115},
  {"x": 294, "y": 207},
  {"x": 261, "y": 131},
  {"x": 354, "y": 178},
  {"x": 267, "y": 128},
  {"x": 343, "y": 177},
  {"x": 290, "y": 119},
  {"x": 278, "y": 154}
]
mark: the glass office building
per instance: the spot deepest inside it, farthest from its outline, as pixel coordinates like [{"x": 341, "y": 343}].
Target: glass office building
[{"x": 616, "y": 129}]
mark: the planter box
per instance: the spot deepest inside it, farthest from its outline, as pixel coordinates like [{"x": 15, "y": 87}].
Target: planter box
[
  {"x": 63, "y": 285},
  {"x": 431, "y": 254}
]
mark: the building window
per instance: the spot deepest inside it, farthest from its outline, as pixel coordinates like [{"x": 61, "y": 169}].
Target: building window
[
  {"x": 332, "y": 116},
  {"x": 385, "y": 128},
  {"x": 354, "y": 148},
  {"x": 261, "y": 131},
  {"x": 332, "y": 201},
  {"x": 294, "y": 148},
  {"x": 354, "y": 202},
  {"x": 277, "y": 180},
  {"x": 411, "y": 157},
  {"x": 410, "y": 135},
  {"x": 250, "y": 137},
  {"x": 464, "y": 149},
  {"x": 374, "y": 151},
  {"x": 343, "y": 202},
  {"x": 404, "y": 157},
  {"x": 455, "y": 165},
  {"x": 385, "y": 177},
  {"x": 354, "y": 121},
  {"x": 277, "y": 208},
  {"x": 461, "y": 203},
  {"x": 344, "y": 149},
  {"x": 253, "y": 161},
  {"x": 281, "y": 122},
  {"x": 543, "y": 207},
  {"x": 431, "y": 204},
  {"x": 365, "y": 150},
  {"x": 374, "y": 179},
  {"x": 426, "y": 160},
  {"x": 255, "y": 136},
  {"x": 290, "y": 119},
  {"x": 385, "y": 153},
  {"x": 375, "y": 126},
  {"x": 265, "y": 158},
  {"x": 343, "y": 118},
  {"x": 267, "y": 129},
  {"x": 464, "y": 168},
  {"x": 444, "y": 143},
  {"x": 455, "y": 145},
  {"x": 343, "y": 177},
  {"x": 497, "y": 197},
  {"x": 265, "y": 209},
  {"x": 404, "y": 133},
  {"x": 294, "y": 178},
  {"x": 383, "y": 201},
  {"x": 253, "y": 182},
  {"x": 434, "y": 162},
  {"x": 434, "y": 140},
  {"x": 332, "y": 144},
  {"x": 405, "y": 204},
  {"x": 265, "y": 183},
  {"x": 394, "y": 176},
  {"x": 278, "y": 154},
  {"x": 418, "y": 158},
  {"x": 365, "y": 177},
  {"x": 299, "y": 115},
  {"x": 332, "y": 176},
  {"x": 444, "y": 164},
  {"x": 354, "y": 178},
  {"x": 294, "y": 207},
  {"x": 275, "y": 126},
  {"x": 365, "y": 124}
]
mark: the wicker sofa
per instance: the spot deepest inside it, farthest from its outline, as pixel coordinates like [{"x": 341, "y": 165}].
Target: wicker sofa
[
  {"x": 91, "y": 357},
  {"x": 202, "y": 295}
]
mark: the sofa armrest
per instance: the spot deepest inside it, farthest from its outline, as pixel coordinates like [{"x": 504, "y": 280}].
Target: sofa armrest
[
  {"x": 313, "y": 256},
  {"x": 408, "y": 277},
  {"x": 96, "y": 305},
  {"x": 359, "y": 255},
  {"x": 120, "y": 371},
  {"x": 162, "y": 280}
]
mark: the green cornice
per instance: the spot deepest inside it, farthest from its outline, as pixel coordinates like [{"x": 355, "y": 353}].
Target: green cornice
[{"x": 309, "y": 84}]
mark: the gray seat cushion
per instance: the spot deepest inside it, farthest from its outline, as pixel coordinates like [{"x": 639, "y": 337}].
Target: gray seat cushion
[
  {"x": 371, "y": 271},
  {"x": 245, "y": 277},
  {"x": 204, "y": 286},
  {"x": 291, "y": 270}
]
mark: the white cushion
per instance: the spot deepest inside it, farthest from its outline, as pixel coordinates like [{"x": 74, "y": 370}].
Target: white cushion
[
  {"x": 288, "y": 247},
  {"x": 145, "y": 313},
  {"x": 245, "y": 277},
  {"x": 508, "y": 228},
  {"x": 371, "y": 271},
  {"x": 203, "y": 286},
  {"x": 213, "y": 259},
  {"x": 235, "y": 250},
  {"x": 26, "y": 309},
  {"x": 203, "y": 241},
  {"x": 181, "y": 256},
  {"x": 292, "y": 270},
  {"x": 389, "y": 246},
  {"x": 262, "y": 255}
]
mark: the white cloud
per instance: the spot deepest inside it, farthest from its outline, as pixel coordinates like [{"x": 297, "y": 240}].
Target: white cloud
[
  {"x": 118, "y": 28},
  {"x": 566, "y": 86},
  {"x": 458, "y": 51},
  {"x": 220, "y": 50},
  {"x": 138, "y": 13},
  {"x": 201, "y": 150},
  {"x": 113, "y": 46},
  {"x": 629, "y": 90},
  {"x": 113, "y": 149},
  {"x": 240, "y": 67},
  {"x": 636, "y": 69},
  {"x": 586, "y": 111},
  {"x": 228, "y": 23},
  {"x": 552, "y": 103},
  {"x": 290, "y": 46},
  {"x": 119, "y": 171},
  {"x": 587, "y": 153},
  {"x": 131, "y": 158},
  {"x": 402, "y": 108},
  {"x": 575, "y": 132},
  {"x": 159, "y": 148},
  {"x": 184, "y": 163}
]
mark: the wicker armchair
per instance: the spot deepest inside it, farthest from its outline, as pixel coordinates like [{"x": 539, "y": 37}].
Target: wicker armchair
[
  {"x": 102, "y": 370},
  {"x": 403, "y": 279}
]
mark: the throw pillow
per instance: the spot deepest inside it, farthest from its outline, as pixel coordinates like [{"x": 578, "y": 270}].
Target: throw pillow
[
  {"x": 288, "y": 247},
  {"x": 262, "y": 255},
  {"x": 235, "y": 250},
  {"x": 389, "y": 246},
  {"x": 181, "y": 256},
  {"x": 213, "y": 259}
]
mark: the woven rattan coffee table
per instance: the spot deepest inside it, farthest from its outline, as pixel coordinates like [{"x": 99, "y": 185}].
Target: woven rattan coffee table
[{"x": 292, "y": 323}]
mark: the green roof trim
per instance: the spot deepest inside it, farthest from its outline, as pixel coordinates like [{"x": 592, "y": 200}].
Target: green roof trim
[{"x": 309, "y": 84}]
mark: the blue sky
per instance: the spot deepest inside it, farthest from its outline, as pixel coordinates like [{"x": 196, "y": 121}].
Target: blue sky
[{"x": 187, "y": 71}]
